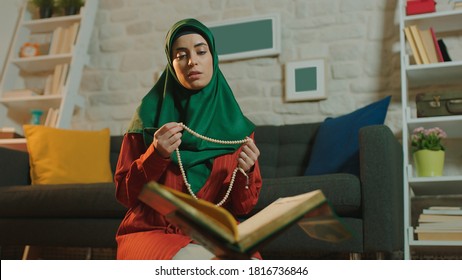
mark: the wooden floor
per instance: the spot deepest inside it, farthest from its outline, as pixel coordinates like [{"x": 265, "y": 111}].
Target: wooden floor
[{"x": 57, "y": 253}]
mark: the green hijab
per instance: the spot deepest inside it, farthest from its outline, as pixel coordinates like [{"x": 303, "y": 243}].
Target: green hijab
[{"x": 211, "y": 111}]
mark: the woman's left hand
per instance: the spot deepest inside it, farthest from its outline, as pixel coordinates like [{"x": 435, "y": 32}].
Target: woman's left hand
[{"x": 248, "y": 155}]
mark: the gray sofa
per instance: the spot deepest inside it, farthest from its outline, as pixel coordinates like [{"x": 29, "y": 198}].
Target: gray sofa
[{"x": 87, "y": 215}]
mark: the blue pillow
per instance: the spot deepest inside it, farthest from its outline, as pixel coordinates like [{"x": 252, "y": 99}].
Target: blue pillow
[{"x": 336, "y": 147}]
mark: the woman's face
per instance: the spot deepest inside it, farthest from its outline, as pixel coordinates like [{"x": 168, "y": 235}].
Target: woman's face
[{"x": 192, "y": 61}]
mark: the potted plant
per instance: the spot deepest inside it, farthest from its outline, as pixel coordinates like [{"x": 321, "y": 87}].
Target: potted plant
[
  {"x": 428, "y": 151},
  {"x": 45, "y": 7},
  {"x": 70, "y": 7}
]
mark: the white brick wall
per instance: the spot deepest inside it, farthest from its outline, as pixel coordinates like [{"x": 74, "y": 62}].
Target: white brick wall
[{"x": 358, "y": 38}]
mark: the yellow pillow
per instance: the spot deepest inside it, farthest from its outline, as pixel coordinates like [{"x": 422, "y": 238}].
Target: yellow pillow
[{"x": 61, "y": 156}]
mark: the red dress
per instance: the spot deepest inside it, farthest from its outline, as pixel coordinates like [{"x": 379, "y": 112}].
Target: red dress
[{"x": 144, "y": 233}]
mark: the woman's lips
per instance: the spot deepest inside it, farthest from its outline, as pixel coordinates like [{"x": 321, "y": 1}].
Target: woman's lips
[{"x": 194, "y": 75}]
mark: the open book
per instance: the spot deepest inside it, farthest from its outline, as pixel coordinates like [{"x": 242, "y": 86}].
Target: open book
[{"x": 217, "y": 229}]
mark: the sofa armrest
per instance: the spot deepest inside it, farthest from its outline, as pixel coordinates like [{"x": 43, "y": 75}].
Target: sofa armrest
[
  {"x": 14, "y": 166},
  {"x": 381, "y": 175}
]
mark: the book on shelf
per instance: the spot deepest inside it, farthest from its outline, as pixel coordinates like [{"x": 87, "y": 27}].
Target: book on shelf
[
  {"x": 431, "y": 218},
  {"x": 443, "y": 210},
  {"x": 429, "y": 45},
  {"x": 70, "y": 34},
  {"x": 62, "y": 77},
  {"x": 456, "y": 4},
  {"x": 216, "y": 228},
  {"x": 63, "y": 39},
  {"x": 48, "y": 84},
  {"x": 412, "y": 44},
  {"x": 58, "y": 79},
  {"x": 424, "y": 45},
  {"x": 52, "y": 117},
  {"x": 420, "y": 44},
  {"x": 56, "y": 39},
  {"x": 74, "y": 31},
  {"x": 440, "y": 223},
  {"x": 437, "y": 46},
  {"x": 9, "y": 133},
  {"x": 441, "y": 226},
  {"x": 444, "y": 50},
  {"x": 446, "y": 235}
]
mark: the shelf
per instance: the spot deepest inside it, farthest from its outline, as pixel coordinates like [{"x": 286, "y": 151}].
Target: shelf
[
  {"x": 436, "y": 185},
  {"x": 434, "y": 74},
  {"x": 445, "y": 21},
  {"x": 41, "y": 62},
  {"x": 24, "y": 104},
  {"x": 426, "y": 78},
  {"x": 49, "y": 24},
  {"x": 451, "y": 124},
  {"x": 432, "y": 245}
]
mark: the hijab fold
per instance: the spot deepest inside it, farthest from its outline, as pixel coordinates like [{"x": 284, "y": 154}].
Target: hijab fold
[{"x": 212, "y": 111}]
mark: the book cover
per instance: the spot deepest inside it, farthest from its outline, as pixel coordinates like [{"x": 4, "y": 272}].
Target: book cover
[
  {"x": 437, "y": 46},
  {"x": 419, "y": 43},
  {"x": 429, "y": 45},
  {"x": 63, "y": 77},
  {"x": 455, "y": 235},
  {"x": 411, "y": 41},
  {"x": 444, "y": 50},
  {"x": 428, "y": 218},
  {"x": 65, "y": 46},
  {"x": 443, "y": 210},
  {"x": 9, "y": 133},
  {"x": 73, "y": 36},
  {"x": 55, "y": 40},
  {"x": 58, "y": 72},
  {"x": 218, "y": 231}
]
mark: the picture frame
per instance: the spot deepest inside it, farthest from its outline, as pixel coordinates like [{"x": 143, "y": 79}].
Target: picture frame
[
  {"x": 236, "y": 38},
  {"x": 305, "y": 80}
]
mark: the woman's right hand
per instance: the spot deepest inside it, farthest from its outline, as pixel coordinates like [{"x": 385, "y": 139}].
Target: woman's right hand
[{"x": 167, "y": 139}]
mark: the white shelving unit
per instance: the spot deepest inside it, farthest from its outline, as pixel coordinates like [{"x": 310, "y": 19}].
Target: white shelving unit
[
  {"x": 422, "y": 78},
  {"x": 18, "y": 71}
]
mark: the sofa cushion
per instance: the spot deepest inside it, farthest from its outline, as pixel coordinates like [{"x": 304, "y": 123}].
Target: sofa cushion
[
  {"x": 60, "y": 201},
  {"x": 343, "y": 191},
  {"x": 284, "y": 150},
  {"x": 336, "y": 147},
  {"x": 61, "y": 156}
]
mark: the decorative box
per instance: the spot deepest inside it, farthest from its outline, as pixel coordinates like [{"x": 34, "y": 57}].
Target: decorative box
[{"x": 414, "y": 7}]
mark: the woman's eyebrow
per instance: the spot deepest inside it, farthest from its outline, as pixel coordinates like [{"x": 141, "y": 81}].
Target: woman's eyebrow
[
  {"x": 195, "y": 46},
  {"x": 200, "y": 44}
]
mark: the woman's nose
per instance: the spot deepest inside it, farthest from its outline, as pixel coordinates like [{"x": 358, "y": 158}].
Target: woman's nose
[{"x": 192, "y": 60}]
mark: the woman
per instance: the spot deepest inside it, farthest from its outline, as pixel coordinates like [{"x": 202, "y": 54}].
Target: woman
[{"x": 158, "y": 146}]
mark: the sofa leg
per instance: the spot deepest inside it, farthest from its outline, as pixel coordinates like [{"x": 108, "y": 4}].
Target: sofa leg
[
  {"x": 355, "y": 256},
  {"x": 380, "y": 255},
  {"x": 89, "y": 253},
  {"x": 31, "y": 253}
]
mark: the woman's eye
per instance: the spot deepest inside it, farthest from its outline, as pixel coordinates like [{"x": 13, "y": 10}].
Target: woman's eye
[
  {"x": 201, "y": 52},
  {"x": 180, "y": 56}
]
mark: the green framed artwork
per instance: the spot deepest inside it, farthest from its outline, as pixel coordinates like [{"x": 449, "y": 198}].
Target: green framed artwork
[
  {"x": 305, "y": 80},
  {"x": 247, "y": 37}
]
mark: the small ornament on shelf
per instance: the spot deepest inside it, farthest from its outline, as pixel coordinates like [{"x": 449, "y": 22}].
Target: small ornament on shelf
[
  {"x": 414, "y": 7},
  {"x": 36, "y": 115},
  {"x": 29, "y": 49}
]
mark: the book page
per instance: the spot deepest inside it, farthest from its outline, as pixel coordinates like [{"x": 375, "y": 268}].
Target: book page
[
  {"x": 323, "y": 224},
  {"x": 281, "y": 212},
  {"x": 210, "y": 217}
]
